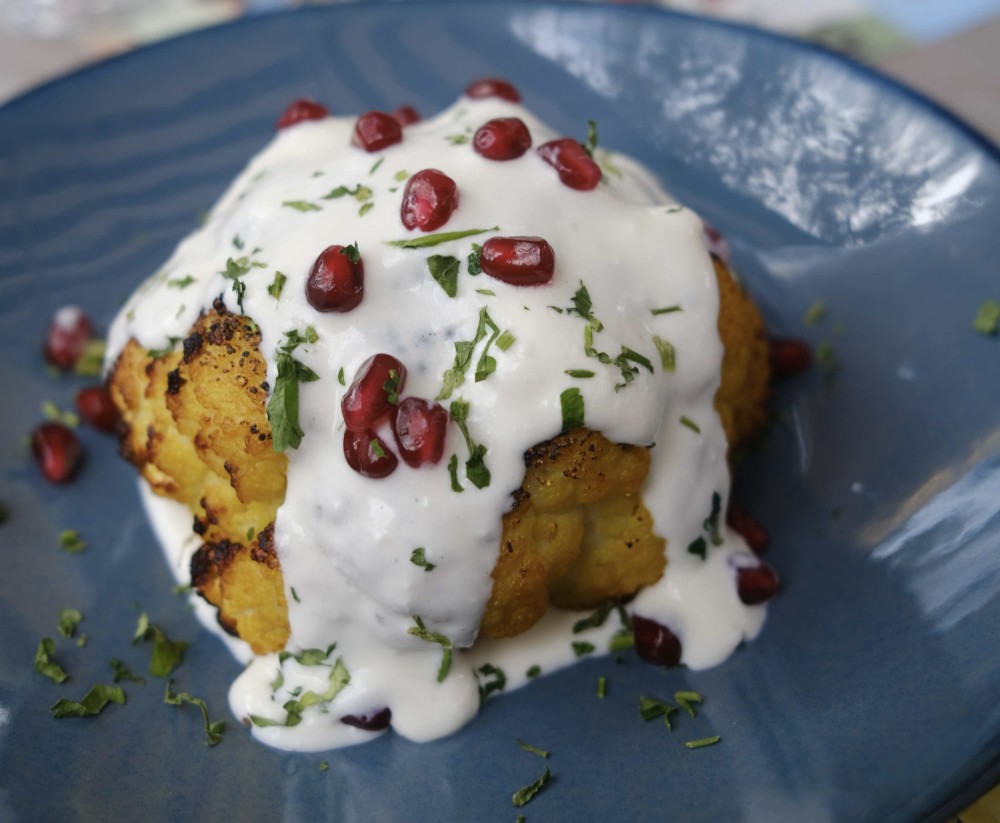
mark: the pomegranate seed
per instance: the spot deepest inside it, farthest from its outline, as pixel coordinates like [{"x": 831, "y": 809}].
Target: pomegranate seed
[
  {"x": 96, "y": 407},
  {"x": 789, "y": 357},
  {"x": 376, "y": 130},
  {"x": 429, "y": 199},
  {"x": 715, "y": 242},
  {"x": 374, "y": 392},
  {"x": 656, "y": 644},
  {"x": 493, "y": 87},
  {"x": 302, "y": 110},
  {"x": 520, "y": 261},
  {"x": 406, "y": 115},
  {"x": 576, "y": 168},
  {"x": 368, "y": 454},
  {"x": 57, "y": 450},
  {"x": 747, "y": 528},
  {"x": 67, "y": 338},
  {"x": 757, "y": 584},
  {"x": 336, "y": 282},
  {"x": 378, "y": 721},
  {"x": 504, "y": 138},
  {"x": 419, "y": 427}
]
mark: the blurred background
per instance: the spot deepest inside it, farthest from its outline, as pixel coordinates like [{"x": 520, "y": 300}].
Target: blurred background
[{"x": 947, "y": 49}]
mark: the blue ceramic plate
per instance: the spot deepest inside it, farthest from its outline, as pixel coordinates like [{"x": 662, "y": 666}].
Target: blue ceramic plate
[{"x": 872, "y": 693}]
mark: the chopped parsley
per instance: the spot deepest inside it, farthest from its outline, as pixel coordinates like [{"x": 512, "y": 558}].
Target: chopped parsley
[
  {"x": 181, "y": 283},
  {"x": 374, "y": 168},
  {"x": 71, "y": 542},
  {"x": 457, "y": 139},
  {"x": 474, "y": 260},
  {"x": 237, "y": 243},
  {"x": 338, "y": 678},
  {"x": 710, "y": 524},
  {"x": 277, "y": 285},
  {"x": 650, "y": 708},
  {"x": 665, "y": 310},
  {"x": 351, "y": 252},
  {"x": 213, "y": 731},
  {"x": 602, "y": 687},
  {"x": 533, "y": 672},
  {"x": 295, "y": 594},
  {"x": 69, "y": 619},
  {"x": 687, "y": 421},
  {"x": 52, "y": 412},
  {"x": 400, "y": 175},
  {"x": 505, "y": 340},
  {"x": 487, "y": 330},
  {"x": 167, "y": 653},
  {"x": 580, "y": 373},
  {"x": 92, "y": 360},
  {"x": 421, "y": 631},
  {"x": 92, "y": 704},
  {"x": 283, "y": 405},
  {"x": 417, "y": 558},
  {"x": 622, "y": 640},
  {"x": 156, "y": 354},
  {"x": 533, "y": 749},
  {"x": 487, "y": 292},
  {"x": 301, "y": 205},
  {"x": 698, "y": 547},
  {"x": 497, "y": 684},
  {"x": 453, "y": 474},
  {"x": 44, "y": 664},
  {"x": 444, "y": 270},
  {"x": 235, "y": 269},
  {"x": 582, "y": 648},
  {"x": 475, "y": 466},
  {"x": 365, "y": 208},
  {"x": 668, "y": 355},
  {"x": 340, "y": 377},
  {"x": 687, "y": 699},
  {"x": 705, "y": 741},
  {"x": 123, "y": 672},
  {"x": 571, "y": 403},
  {"x": 436, "y": 239},
  {"x": 987, "y": 319},
  {"x": 323, "y": 765},
  {"x": 591, "y": 145},
  {"x": 524, "y": 795},
  {"x": 594, "y": 621}
]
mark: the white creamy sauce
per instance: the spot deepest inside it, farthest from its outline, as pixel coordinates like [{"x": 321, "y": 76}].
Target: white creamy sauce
[{"x": 344, "y": 541}]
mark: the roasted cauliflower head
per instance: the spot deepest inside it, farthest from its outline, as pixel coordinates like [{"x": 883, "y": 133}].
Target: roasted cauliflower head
[{"x": 577, "y": 533}]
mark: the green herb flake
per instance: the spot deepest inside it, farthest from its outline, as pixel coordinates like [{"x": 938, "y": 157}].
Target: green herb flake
[
  {"x": 687, "y": 701},
  {"x": 123, "y": 672},
  {"x": 351, "y": 252},
  {"x": 594, "y": 621},
  {"x": 523, "y": 796},
  {"x": 602, "y": 687},
  {"x": 711, "y": 523},
  {"x": 622, "y": 641},
  {"x": 436, "y": 239},
  {"x": 71, "y": 542},
  {"x": 283, "y": 405},
  {"x": 475, "y": 260},
  {"x": 987, "y": 319},
  {"x": 571, "y": 403},
  {"x": 91, "y": 362},
  {"x": 453, "y": 473},
  {"x": 323, "y": 765},
  {"x": 375, "y": 447},
  {"x": 533, "y": 672},
  {"x": 698, "y": 547},
  {"x": 400, "y": 175},
  {"x": 665, "y": 310},
  {"x": 301, "y": 205},
  {"x": 815, "y": 313},
  {"x": 418, "y": 558},
  {"x": 533, "y": 749},
  {"x": 156, "y": 354},
  {"x": 457, "y": 139},
  {"x": 444, "y": 270},
  {"x": 496, "y": 681},
  {"x": 365, "y": 208},
  {"x": 650, "y": 708},
  {"x": 213, "y": 731},
  {"x": 374, "y": 168},
  {"x": 487, "y": 292},
  {"x": 580, "y": 373},
  {"x": 340, "y": 377},
  {"x": 181, "y": 283},
  {"x": 69, "y": 619},
  {"x": 591, "y": 145},
  {"x": 421, "y": 631},
  {"x": 52, "y": 412},
  {"x": 295, "y": 594},
  {"x": 687, "y": 421},
  {"x": 44, "y": 664},
  {"x": 182, "y": 588},
  {"x": 505, "y": 341},
  {"x": 668, "y": 355},
  {"x": 582, "y": 648},
  {"x": 705, "y": 741},
  {"x": 277, "y": 285},
  {"x": 167, "y": 653},
  {"x": 92, "y": 704}
]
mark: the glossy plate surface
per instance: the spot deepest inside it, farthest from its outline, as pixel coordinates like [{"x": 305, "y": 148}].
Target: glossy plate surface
[{"x": 871, "y": 694}]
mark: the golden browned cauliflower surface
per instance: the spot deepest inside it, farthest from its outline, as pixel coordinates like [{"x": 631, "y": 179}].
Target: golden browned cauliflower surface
[{"x": 576, "y": 536}]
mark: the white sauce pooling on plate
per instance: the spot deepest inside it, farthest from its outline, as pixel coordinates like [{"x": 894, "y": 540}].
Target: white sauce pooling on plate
[{"x": 344, "y": 541}]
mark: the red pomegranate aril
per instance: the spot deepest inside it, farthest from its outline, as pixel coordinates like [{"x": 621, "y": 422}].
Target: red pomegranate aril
[
  {"x": 655, "y": 643},
  {"x": 374, "y": 392},
  {"x": 757, "y": 584},
  {"x": 373, "y": 723},
  {"x": 429, "y": 199},
  {"x": 96, "y": 407},
  {"x": 748, "y": 528},
  {"x": 406, "y": 115},
  {"x": 419, "y": 427},
  {"x": 368, "y": 454},
  {"x": 302, "y": 110},
  {"x": 788, "y": 358},
  {"x": 336, "y": 282},
  {"x": 504, "y": 138},
  {"x": 493, "y": 87},
  {"x": 376, "y": 130},
  {"x": 57, "y": 450},
  {"x": 519, "y": 261},
  {"x": 68, "y": 334},
  {"x": 576, "y": 168}
]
